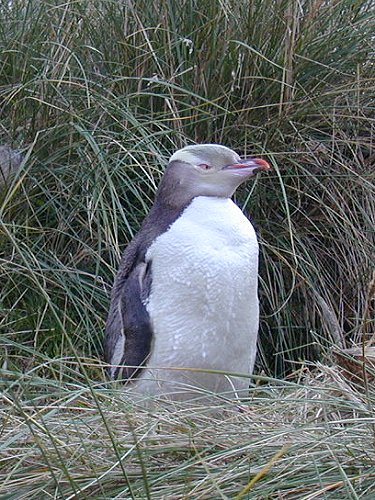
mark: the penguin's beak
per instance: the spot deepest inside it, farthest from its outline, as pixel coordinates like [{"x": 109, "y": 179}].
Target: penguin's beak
[{"x": 250, "y": 165}]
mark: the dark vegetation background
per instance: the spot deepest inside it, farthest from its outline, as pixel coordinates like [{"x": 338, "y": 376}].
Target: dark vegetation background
[{"x": 98, "y": 94}]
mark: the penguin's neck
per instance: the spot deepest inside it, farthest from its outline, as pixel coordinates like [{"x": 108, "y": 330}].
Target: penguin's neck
[
  {"x": 205, "y": 217},
  {"x": 214, "y": 210},
  {"x": 210, "y": 216}
]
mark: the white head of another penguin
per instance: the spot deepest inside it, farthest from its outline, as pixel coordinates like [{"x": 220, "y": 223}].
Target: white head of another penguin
[{"x": 206, "y": 170}]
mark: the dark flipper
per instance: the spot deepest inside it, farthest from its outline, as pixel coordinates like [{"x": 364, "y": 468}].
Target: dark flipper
[{"x": 128, "y": 329}]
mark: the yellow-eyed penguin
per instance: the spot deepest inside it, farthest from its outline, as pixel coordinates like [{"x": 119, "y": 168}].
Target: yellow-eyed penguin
[{"x": 185, "y": 295}]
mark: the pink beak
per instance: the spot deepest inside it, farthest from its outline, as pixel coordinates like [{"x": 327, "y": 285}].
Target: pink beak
[{"x": 253, "y": 164}]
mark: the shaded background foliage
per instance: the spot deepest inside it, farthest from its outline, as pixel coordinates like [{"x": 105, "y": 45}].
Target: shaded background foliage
[{"x": 99, "y": 93}]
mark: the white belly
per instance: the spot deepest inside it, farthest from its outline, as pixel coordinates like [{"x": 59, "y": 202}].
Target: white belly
[{"x": 203, "y": 303}]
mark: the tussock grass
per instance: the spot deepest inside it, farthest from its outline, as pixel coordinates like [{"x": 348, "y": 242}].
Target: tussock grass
[
  {"x": 96, "y": 95},
  {"x": 307, "y": 439}
]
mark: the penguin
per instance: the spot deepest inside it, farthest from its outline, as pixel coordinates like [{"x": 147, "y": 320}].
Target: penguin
[{"x": 184, "y": 304}]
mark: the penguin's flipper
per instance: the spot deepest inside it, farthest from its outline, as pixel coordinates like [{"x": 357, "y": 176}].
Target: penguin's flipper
[{"x": 128, "y": 328}]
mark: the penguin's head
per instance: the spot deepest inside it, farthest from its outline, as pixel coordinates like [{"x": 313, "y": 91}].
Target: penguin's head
[{"x": 207, "y": 170}]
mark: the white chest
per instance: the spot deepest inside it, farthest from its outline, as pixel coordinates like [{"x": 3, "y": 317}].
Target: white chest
[
  {"x": 207, "y": 225},
  {"x": 203, "y": 302}
]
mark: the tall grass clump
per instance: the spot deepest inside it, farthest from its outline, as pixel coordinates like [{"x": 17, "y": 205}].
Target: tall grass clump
[
  {"x": 298, "y": 440},
  {"x": 99, "y": 93},
  {"x": 95, "y": 95}
]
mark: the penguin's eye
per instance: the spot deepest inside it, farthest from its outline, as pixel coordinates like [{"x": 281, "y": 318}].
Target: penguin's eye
[{"x": 204, "y": 166}]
